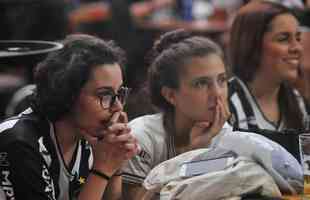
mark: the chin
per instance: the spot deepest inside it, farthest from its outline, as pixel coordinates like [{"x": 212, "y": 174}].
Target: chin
[
  {"x": 91, "y": 129},
  {"x": 292, "y": 75}
]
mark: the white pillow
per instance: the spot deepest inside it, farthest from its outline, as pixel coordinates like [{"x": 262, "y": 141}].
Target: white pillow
[{"x": 280, "y": 164}]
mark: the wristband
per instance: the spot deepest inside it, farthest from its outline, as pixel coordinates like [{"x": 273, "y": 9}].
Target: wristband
[{"x": 100, "y": 174}]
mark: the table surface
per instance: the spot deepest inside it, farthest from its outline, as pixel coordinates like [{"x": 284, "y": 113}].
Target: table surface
[{"x": 296, "y": 197}]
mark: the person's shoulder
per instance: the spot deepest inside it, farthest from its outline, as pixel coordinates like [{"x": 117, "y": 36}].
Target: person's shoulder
[
  {"x": 147, "y": 121},
  {"x": 148, "y": 126},
  {"x": 24, "y": 128},
  {"x": 238, "y": 91},
  {"x": 151, "y": 118},
  {"x": 233, "y": 80},
  {"x": 235, "y": 83}
]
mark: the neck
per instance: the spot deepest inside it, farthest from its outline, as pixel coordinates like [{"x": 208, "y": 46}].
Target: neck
[
  {"x": 266, "y": 93},
  {"x": 182, "y": 130},
  {"x": 265, "y": 90},
  {"x": 67, "y": 138}
]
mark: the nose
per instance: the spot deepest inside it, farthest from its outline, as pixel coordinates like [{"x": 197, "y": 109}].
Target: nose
[
  {"x": 216, "y": 90},
  {"x": 214, "y": 93},
  {"x": 296, "y": 46},
  {"x": 117, "y": 105}
]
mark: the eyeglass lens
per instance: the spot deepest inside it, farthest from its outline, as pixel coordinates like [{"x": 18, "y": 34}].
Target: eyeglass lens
[{"x": 109, "y": 100}]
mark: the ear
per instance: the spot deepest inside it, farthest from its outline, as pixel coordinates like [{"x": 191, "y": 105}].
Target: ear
[{"x": 168, "y": 94}]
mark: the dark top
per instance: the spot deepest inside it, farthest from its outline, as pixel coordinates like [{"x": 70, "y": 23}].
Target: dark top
[
  {"x": 247, "y": 116},
  {"x": 31, "y": 164}
]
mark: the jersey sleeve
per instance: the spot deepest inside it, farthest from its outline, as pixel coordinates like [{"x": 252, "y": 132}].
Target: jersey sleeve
[
  {"x": 139, "y": 166},
  {"x": 24, "y": 174}
]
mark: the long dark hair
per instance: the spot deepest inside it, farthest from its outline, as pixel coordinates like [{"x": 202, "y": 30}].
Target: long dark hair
[
  {"x": 249, "y": 27},
  {"x": 245, "y": 51}
]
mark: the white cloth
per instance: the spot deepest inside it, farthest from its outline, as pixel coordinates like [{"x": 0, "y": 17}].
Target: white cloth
[
  {"x": 242, "y": 176},
  {"x": 2, "y": 195},
  {"x": 291, "y": 3},
  {"x": 246, "y": 112},
  {"x": 279, "y": 163},
  {"x": 156, "y": 144},
  {"x": 261, "y": 163},
  {"x": 156, "y": 147}
]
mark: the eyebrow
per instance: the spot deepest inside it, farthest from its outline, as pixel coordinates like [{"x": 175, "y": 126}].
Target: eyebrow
[
  {"x": 208, "y": 77},
  {"x": 104, "y": 88},
  {"x": 298, "y": 32},
  {"x": 109, "y": 88}
]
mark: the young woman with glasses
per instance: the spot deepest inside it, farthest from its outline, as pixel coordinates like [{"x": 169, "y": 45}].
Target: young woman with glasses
[
  {"x": 188, "y": 83},
  {"x": 73, "y": 139}
]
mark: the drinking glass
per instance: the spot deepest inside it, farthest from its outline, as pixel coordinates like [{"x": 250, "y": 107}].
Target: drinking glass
[{"x": 304, "y": 149}]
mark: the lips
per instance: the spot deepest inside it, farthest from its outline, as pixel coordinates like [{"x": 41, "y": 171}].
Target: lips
[{"x": 293, "y": 61}]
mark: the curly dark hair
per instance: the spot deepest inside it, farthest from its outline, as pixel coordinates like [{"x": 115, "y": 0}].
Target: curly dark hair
[
  {"x": 62, "y": 75},
  {"x": 170, "y": 53}
]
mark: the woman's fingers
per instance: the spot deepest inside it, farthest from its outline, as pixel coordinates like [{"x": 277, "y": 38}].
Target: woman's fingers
[
  {"x": 132, "y": 150},
  {"x": 202, "y": 125},
  {"x": 115, "y": 117},
  {"x": 216, "y": 120},
  {"x": 225, "y": 108},
  {"x": 129, "y": 146},
  {"x": 118, "y": 117},
  {"x": 123, "y": 118},
  {"x": 117, "y": 127},
  {"x": 217, "y": 123},
  {"x": 113, "y": 138}
]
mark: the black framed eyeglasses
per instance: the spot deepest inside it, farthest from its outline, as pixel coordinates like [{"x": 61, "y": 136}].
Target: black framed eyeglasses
[{"x": 107, "y": 98}]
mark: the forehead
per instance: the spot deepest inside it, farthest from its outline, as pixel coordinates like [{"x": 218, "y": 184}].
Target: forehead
[
  {"x": 284, "y": 23},
  {"x": 210, "y": 65},
  {"x": 107, "y": 75}
]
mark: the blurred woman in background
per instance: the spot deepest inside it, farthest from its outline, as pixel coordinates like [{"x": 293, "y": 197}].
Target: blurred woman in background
[{"x": 265, "y": 55}]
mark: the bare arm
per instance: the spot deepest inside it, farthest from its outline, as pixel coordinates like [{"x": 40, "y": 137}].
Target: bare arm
[
  {"x": 98, "y": 187},
  {"x": 114, "y": 189},
  {"x": 94, "y": 188},
  {"x": 133, "y": 192},
  {"x": 110, "y": 153}
]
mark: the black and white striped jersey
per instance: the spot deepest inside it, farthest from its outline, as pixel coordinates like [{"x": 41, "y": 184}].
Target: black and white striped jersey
[
  {"x": 246, "y": 113},
  {"x": 31, "y": 163}
]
